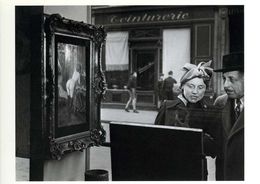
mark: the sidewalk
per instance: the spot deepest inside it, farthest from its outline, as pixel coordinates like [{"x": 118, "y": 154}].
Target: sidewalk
[
  {"x": 22, "y": 169},
  {"x": 108, "y": 115},
  {"x": 144, "y": 116}
]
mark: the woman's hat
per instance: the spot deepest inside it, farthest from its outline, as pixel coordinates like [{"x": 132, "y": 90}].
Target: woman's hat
[
  {"x": 203, "y": 70},
  {"x": 232, "y": 62}
]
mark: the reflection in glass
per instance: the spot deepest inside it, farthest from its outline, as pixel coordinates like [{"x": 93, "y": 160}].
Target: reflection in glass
[{"x": 71, "y": 84}]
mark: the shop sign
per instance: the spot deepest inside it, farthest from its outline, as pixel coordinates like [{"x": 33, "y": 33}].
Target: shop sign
[{"x": 151, "y": 17}]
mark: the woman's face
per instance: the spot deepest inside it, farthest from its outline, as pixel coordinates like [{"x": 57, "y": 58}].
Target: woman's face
[{"x": 194, "y": 90}]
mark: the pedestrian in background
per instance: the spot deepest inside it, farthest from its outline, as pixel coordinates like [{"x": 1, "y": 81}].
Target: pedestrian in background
[
  {"x": 131, "y": 86},
  {"x": 168, "y": 86},
  {"x": 160, "y": 89},
  {"x": 230, "y": 164}
]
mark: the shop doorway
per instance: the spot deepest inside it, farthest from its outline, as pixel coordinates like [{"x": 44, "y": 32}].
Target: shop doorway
[{"x": 144, "y": 61}]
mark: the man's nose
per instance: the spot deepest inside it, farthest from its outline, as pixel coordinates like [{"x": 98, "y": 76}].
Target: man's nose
[{"x": 227, "y": 84}]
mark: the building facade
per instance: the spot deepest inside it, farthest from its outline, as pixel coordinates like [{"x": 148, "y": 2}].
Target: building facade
[{"x": 156, "y": 39}]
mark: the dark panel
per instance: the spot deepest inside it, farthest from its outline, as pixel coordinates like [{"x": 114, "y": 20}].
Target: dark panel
[
  {"x": 28, "y": 61},
  {"x": 145, "y": 98},
  {"x": 23, "y": 115},
  {"x": 203, "y": 40},
  {"x": 22, "y": 82},
  {"x": 152, "y": 153},
  {"x": 236, "y": 28},
  {"x": 116, "y": 79},
  {"x": 116, "y": 97},
  {"x": 144, "y": 33},
  {"x": 29, "y": 141}
]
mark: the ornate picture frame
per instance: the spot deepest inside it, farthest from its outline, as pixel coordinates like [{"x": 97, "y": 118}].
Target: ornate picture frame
[{"x": 73, "y": 85}]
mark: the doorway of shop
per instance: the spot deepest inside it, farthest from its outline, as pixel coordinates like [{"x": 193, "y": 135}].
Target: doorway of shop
[{"x": 145, "y": 61}]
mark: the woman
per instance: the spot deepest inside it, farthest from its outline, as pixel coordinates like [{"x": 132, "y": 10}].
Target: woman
[
  {"x": 74, "y": 80},
  {"x": 190, "y": 108}
]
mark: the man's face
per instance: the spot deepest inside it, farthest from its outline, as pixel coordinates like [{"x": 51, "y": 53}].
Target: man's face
[{"x": 234, "y": 84}]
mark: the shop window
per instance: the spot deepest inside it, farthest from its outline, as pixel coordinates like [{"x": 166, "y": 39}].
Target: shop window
[
  {"x": 117, "y": 59},
  {"x": 176, "y": 51}
]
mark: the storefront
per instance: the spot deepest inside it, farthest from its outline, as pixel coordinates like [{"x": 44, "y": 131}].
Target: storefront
[{"x": 156, "y": 39}]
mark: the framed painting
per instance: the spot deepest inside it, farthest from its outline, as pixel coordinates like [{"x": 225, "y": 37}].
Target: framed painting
[{"x": 73, "y": 85}]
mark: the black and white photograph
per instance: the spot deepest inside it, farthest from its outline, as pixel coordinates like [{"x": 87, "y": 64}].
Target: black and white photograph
[{"x": 129, "y": 92}]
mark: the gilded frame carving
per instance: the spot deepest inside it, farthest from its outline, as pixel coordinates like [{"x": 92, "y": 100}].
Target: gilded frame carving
[{"x": 92, "y": 133}]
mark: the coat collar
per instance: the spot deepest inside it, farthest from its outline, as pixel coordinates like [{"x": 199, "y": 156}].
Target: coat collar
[
  {"x": 173, "y": 103},
  {"x": 226, "y": 117},
  {"x": 239, "y": 125},
  {"x": 201, "y": 103},
  {"x": 181, "y": 97}
]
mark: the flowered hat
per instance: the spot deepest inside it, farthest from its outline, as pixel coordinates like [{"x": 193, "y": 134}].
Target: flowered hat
[{"x": 203, "y": 70}]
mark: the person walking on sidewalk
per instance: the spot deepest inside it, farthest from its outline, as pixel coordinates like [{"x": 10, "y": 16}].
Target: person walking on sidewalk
[{"x": 131, "y": 86}]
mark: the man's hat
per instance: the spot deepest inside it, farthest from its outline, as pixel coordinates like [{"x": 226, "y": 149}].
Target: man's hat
[{"x": 232, "y": 62}]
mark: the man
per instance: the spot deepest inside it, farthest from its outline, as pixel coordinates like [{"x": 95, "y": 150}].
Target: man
[
  {"x": 168, "y": 86},
  {"x": 131, "y": 86},
  {"x": 230, "y": 164}
]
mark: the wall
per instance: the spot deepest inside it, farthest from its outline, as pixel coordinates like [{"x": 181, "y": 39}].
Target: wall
[
  {"x": 78, "y": 13},
  {"x": 23, "y": 81},
  {"x": 70, "y": 168}
]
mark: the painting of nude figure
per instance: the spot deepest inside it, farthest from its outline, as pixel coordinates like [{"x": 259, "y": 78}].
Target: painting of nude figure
[{"x": 71, "y": 91}]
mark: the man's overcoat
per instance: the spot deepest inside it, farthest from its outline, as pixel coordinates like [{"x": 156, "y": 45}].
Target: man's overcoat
[{"x": 232, "y": 160}]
